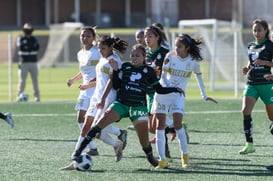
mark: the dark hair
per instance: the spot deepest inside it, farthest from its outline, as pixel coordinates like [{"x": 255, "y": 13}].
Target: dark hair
[
  {"x": 264, "y": 25},
  {"x": 142, "y": 48},
  {"x": 89, "y": 28},
  {"x": 157, "y": 32},
  {"x": 118, "y": 44},
  {"x": 194, "y": 50},
  {"x": 160, "y": 26}
]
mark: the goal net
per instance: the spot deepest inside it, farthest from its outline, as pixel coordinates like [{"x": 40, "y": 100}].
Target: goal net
[
  {"x": 222, "y": 50},
  {"x": 58, "y": 43}
]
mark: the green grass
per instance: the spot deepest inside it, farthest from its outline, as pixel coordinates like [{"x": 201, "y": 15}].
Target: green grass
[
  {"x": 52, "y": 83},
  {"x": 45, "y": 134}
]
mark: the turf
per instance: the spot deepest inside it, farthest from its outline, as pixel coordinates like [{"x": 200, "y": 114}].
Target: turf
[
  {"x": 45, "y": 134},
  {"x": 52, "y": 84}
]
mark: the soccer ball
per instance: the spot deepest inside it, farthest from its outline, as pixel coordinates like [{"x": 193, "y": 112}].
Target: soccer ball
[
  {"x": 23, "y": 97},
  {"x": 83, "y": 163}
]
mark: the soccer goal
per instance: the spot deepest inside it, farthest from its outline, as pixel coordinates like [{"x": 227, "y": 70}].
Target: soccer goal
[
  {"x": 58, "y": 43},
  {"x": 222, "y": 49}
]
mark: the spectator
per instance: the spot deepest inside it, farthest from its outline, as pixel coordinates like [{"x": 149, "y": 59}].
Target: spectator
[{"x": 28, "y": 46}]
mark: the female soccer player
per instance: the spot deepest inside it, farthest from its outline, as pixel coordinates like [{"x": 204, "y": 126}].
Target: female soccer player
[
  {"x": 103, "y": 77},
  {"x": 260, "y": 53},
  {"x": 176, "y": 71},
  {"x": 88, "y": 57},
  {"x": 131, "y": 83},
  {"x": 104, "y": 71},
  {"x": 156, "y": 53}
]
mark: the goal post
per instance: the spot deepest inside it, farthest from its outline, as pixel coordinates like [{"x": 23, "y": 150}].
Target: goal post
[
  {"x": 222, "y": 48},
  {"x": 58, "y": 43}
]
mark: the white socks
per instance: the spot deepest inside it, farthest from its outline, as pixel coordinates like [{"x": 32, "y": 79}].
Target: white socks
[
  {"x": 160, "y": 143},
  {"x": 182, "y": 139}
]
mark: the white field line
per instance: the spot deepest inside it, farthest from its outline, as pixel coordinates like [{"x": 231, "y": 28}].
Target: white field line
[{"x": 188, "y": 112}]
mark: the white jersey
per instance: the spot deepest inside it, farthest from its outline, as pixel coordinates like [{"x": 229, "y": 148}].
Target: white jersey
[
  {"x": 103, "y": 72},
  {"x": 177, "y": 72},
  {"x": 88, "y": 59}
]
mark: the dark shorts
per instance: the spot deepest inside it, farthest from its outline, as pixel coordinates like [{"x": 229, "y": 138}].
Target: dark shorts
[
  {"x": 133, "y": 112},
  {"x": 265, "y": 92}
]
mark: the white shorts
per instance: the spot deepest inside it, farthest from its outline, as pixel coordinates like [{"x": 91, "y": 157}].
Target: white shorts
[
  {"x": 94, "y": 111},
  {"x": 168, "y": 103},
  {"x": 83, "y": 102}
]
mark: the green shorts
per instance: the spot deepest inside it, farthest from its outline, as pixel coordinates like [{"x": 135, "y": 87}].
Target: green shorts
[
  {"x": 150, "y": 100},
  {"x": 265, "y": 92},
  {"x": 133, "y": 112}
]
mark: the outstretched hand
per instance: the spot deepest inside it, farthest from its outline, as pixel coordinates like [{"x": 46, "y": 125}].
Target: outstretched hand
[{"x": 211, "y": 99}]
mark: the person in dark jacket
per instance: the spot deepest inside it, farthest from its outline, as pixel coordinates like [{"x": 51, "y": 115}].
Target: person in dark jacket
[{"x": 28, "y": 46}]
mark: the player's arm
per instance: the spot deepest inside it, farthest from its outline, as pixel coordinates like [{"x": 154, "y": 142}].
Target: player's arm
[
  {"x": 116, "y": 80},
  {"x": 91, "y": 83},
  {"x": 201, "y": 84},
  {"x": 158, "y": 87},
  {"x": 202, "y": 88},
  {"x": 106, "y": 91},
  {"x": 77, "y": 77},
  {"x": 166, "y": 90}
]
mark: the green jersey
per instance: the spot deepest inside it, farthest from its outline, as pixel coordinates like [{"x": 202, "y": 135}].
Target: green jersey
[
  {"x": 133, "y": 84},
  {"x": 264, "y": 51}
]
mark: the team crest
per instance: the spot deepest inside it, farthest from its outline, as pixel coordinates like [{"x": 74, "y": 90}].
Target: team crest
[
  {"x": 135, "y": 76},
  {"x": 158, "y": 56},
  {"x": 145, "y": 70}
]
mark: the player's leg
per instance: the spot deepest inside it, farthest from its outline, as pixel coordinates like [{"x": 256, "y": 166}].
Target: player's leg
[
  {"x": 161, "y": 140},
  {"x": 269, "y": 110},
  {"x": 182, "y": 139},
  {"x": 34, "y": 76},
  {"x": 22, "y": 76},
  {"x": 117, "y": 144},
  {"x": 110, "y": 116},
  {"x": 8, "y": 118},
  {"x": 85, "y": 122},
  {"x": 111, "y": 129},
  {"x": 141, "y": 127},
  {"x": 247, "y": 107}
]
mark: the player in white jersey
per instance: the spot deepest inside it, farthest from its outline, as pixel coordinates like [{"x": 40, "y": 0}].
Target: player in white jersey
[
  {"x": 104, "y": 72},
  {"x": 88, "y": 57},
  {"x": 103, "y": 75},
  {"x": 176, "y": 71}
]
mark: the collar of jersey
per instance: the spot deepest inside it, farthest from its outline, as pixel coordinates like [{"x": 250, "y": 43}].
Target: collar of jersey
[
  {"x": 261, "y": 42},
  {"x": 153, "y": 51}
]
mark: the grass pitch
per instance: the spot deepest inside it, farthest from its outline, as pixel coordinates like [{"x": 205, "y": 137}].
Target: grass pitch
[{"x": 45, "y": 134}]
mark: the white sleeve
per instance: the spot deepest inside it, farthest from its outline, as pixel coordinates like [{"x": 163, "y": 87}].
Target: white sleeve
[
  {"x": 165, "y": 69},
  {"x": 200, "y": 80}
]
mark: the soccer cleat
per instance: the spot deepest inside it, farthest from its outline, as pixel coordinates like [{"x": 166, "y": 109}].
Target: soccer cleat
[
  {"x": 186, "y": 131},
  {"x": 152, "y": 160},
  {"x": 162, "y": 164},
  {"x": 248, "y": 148},
  {"x": 68, "y": 167},
  {"x": 9, "y": 119},
  {"x": 123, "y": 137},
  {"x": 131, "y": 127},
  {"x": 118, "y": 151},
  {"x": 153, "y": 140},
  {"x": 76, "y": 154},
  {"x": 185, "y": 161},
  {"x": 271, "y": 128},
  {"x": 270, "y": 167},
  {"x": 173, "y": 136},
  {"x": 92, "y": 152}
]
